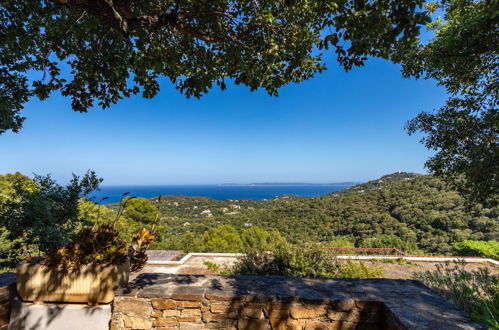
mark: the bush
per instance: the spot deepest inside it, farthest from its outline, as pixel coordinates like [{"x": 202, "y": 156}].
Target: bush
[
  {"x": 309, "y": 260},
  {"x": 476, "y": 291},
  {"x": 37, "y": 215},
  {"x": 390, "y": 241},
  {"x": 484, "y": 249}
]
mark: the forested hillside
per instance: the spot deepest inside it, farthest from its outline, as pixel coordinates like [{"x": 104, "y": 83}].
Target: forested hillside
[{"x": 419, "y": 209}]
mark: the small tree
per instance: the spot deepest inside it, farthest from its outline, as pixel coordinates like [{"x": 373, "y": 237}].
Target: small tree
[{"x": 39, "y": 214}]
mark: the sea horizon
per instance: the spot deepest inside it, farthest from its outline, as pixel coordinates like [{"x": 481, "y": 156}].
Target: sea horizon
[{"x": 114, "y": 193}]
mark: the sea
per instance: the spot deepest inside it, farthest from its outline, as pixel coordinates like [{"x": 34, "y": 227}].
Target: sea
[{"x": 218, "y": 192}]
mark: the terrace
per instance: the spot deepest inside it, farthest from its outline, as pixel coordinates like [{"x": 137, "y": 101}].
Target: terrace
[{"x": 174, "y": 294}]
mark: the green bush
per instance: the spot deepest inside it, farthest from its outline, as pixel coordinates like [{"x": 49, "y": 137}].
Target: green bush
[
  {"x": 476, "y": 291},
  {"x": 390, "y": 241},
  {"x": 37, "y": 215},
  {"x": 308, "y": 260},
  {"x": 484, "y": 249}
]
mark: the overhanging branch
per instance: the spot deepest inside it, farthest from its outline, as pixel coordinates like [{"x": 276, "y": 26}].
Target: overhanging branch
[{"x": 121, "y": 19}]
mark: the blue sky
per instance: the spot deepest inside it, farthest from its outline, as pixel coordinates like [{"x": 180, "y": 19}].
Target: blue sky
[{"x": 335, "y": 127}]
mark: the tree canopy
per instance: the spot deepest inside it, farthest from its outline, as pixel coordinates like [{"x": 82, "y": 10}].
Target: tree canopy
[
  {"x": 100, "y": 51},
  {"x": 462, "y": 57}
]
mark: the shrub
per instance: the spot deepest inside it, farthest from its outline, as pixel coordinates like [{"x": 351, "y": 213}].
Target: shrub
[
  {"x": 100, "y": 244},
  {"x": 390, "y": 241},
  {"x": 309, "y": 260},
  {"x": 37, "y": 215},
  {"x": 485, "y": 249},
  {"x": 476, "y": 291}
]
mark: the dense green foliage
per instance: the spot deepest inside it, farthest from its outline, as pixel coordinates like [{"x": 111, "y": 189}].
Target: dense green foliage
[
  {"x": 413, "y": 213},
  {"x": 477, "y": 291},
  {"x": 111, "y": 49},
  {"x": 37, "y": 215},
  {"x": 305, "y": 260},
  {"x": 484, "y": 249},
  {"x": 390, "y": 241},
  {"x": 463, "y": 57},
  {"x": 225, "y": 238},
  {"x": 421, "y": 211}
]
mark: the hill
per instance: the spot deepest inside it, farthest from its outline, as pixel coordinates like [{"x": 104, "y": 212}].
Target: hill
[{"x": 419, "y": 209}]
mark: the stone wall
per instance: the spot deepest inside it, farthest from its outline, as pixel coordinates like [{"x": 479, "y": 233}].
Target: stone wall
[
  {"x": 160, "y": 301},
  {"x": 159, "y": 313},
  {"x": 7, "y": 289}
]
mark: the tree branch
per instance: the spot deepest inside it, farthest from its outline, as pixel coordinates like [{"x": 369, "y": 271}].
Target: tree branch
[{"x": 122, "y": 20}]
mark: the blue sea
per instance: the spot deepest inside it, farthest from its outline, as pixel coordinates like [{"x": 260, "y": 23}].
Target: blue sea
[{"x": 217, "y": 192}]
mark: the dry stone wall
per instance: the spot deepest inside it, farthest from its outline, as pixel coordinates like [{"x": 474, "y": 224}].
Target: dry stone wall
[
  {"x": 216, "y": 313},
  {"x": 161, "y": 301}
]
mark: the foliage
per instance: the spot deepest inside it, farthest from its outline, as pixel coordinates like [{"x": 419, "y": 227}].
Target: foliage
[
  {"x": 358, "y": 269},
  {"x": 224, "y": 238},
  {"x": 137, "y": 251},
  {"x": 100, "y": 244},
  {"x": 257, "y": 239},
  {"x": 101, "y": 51},
  {"x": 421, "y": 210},
  {"x": 390, "y": 241},
  {"x": 38, "y": 214},
  {"x": 463, "y": 57},
  {"x": 484, "y": 249},
  {"x": 213, "y": 267},
  {"x": 308, "y": 260},
  {"x": 476, "y": 291},
  {"x": 140, "y": 210},
  {"x": 342, "y": 242}
]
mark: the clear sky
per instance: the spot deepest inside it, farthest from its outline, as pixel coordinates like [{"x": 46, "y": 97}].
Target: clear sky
[{"x": 335, "y": 127}]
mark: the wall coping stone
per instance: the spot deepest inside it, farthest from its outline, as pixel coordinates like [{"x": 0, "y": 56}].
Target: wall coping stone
[{"x": 409, "y": 302}]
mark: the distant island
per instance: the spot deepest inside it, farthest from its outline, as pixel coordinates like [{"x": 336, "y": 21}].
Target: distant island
[{"x": 346, "y": 184}]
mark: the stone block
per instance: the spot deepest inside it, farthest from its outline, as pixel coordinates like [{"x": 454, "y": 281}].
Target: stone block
[
  {"x": 225, "y": 308},
  {"x": 136, "y": 322},
  {"x": 159, "y": 303},
  {"x": 252, "y": 324},
  {"x": 278, "y": 314},
  {"x": 286, "y": 324},
  {"x": 191, "y": 312},
  {"x": 171, "y": 312},
  {"x": 252, "y": 313},
  {"x": 210, "y": 317},
  {"x": 222, "y": 324},
  {"x": 316, "y": 325},
  {"x": 188, "y": 304},
  {"x": 348, "y": 325},
  {"x": 189, "y": 319},
  {"x": 223, "y": 296},
  {"x": 156, "y": 313},
  {"x": 188, "y": 293},
  {"x": 133, "y": 306},
  {"x": 353, "y": 316},
  {"x": 307, "y": 312},
  {"x": 191, "y": 326},
  {"x": 165, "y": 322}
]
